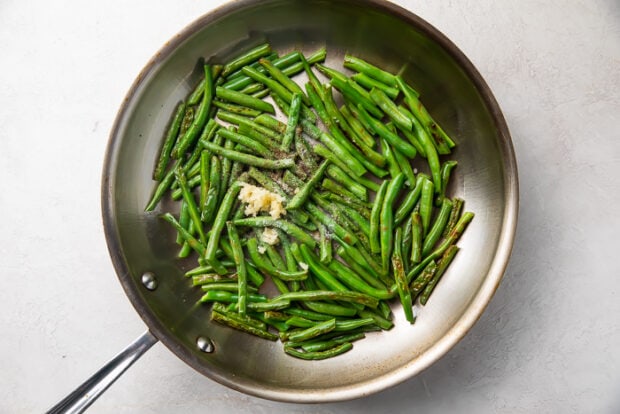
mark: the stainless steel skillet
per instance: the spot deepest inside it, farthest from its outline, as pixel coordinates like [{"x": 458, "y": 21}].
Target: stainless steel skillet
[{"x": 141, "y": 245}]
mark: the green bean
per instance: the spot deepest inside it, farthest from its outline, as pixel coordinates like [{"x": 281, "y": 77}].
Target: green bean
[
  {"x": 242, "y": 285},
  {"x": 360, "y": 221},
  {"x": 357, "y": 189},
  {"x": 457, "y": 206},
  {"x": 228, "y": 297},
  {"x": 304, "y": 192},
  {"x": 446, "y": 169},
  {"x": 317, "y": 295},
  {"x": 382, "y": 322},
  {"x": 184, "y": 221},
  {"x": 412, "y": 136},
  {"x": 354, "y": 163},
  {"x": 313, "y": 331},
  {"x": 336, "y": 188},
  {"x": 171, "y": 136},
  {"x": 426, "y": 206},
  {"x": 256, "y": 64},
  {"x": 401, "y": 278},
  {"x": 362, "y": 207},
  {"x": 225, "y": 287},
  {"x": 388, "y": 153},
  {"x": 268, "y": 306},
  {"x": 330, "y": 308},
  {"x": 356, "y": 256},
  {"x": 410, "y": 200},
  {"x": 352, "y": 324},
  {"x": 429, "y": 148},
  {"x": 255, "y": 146},
  {"x": 250, "y": 56},
  {"x": 271, "y": 123},
  {"x": 202, "y": 270},
  {"x": 438, "y": 226},
  {"x": 325, "y": 245},
  {"x": 352, "y": 107},
  {"x": 219, "y": 223},
  {"x": 274, "y": 256},
  {"x": 441, "y": 140},
  {"x": 417, "y": 237},
  {"x": 362, "y": 132},
  {"x": 265, "y": 266},
  {"x": 331, "y": 73},
  {"x": 191, "y": 204},
  {"x": 255, "y": 89},
  {"x": 214, "y": 279},
  {"x": 235, "y": 172},
  {"x": 338, "y": 216},
  {"x": 318, "y": 355},
  {"x": 423, "y": 279},
  {"x": 209, "y": 208},
  {"x": 452, "y": 238},
  {"x": 161, "y": 189},
  {"x": 354, "y": 281},
  {"x": 335, "y": 158},
  {"x": 331, "y": 224},
  {"x": 405, "y": 167},
  {"x": 259, "y": 138},
  {"x": 322, "y": 345},
  {"x": 229, "y": 145},
  {"x": 226, "y": 319},
  {"x": 300, "y": 322},
  {"x": 293, "y": 120},
  {"x": 255, "y": 277},
  {"x": 305, "y": 114},
  {"x": 237, "y": 109},
  {"x": 362, "y": 271},
  {"x": 355, "y": 96},
  {"x": 198, "y": 123},
  {"x": 249, "y": 159},
  {"x": 359, "y": 65},
  {"x": 443, "y": 264},
  {"x": 283, "y": 225},
  {"x": 369, "y": 83},
  {"x": 307, "y": 314},
  {"x": 277, "y": 88},
  {"x": 242, "y": 120},
  {"x": 243, "y": 80},
  {"x": 400, "y": 144},
  {"x": 337, "y": 122},
  {"x": 391, "y": 110},
  {"x": 375, "y": 214},
  {"x": 194, "y": 244},
  {"x": 304, "y": 150},
  {"x": 276, "y": 315},
  {"x": 319, "y": 270},
  {"x": 387, "y": 219},
  {"x": 244, "y": 100},
  {"x": 205, "y": 159},
  {"x": 284, "y": 80}
]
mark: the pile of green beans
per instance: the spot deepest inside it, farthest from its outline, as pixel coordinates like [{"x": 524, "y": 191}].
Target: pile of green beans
[{"x": 368, "y": 217}]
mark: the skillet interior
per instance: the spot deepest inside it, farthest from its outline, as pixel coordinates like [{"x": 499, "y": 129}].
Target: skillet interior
[{"x": 455, "y": 95}]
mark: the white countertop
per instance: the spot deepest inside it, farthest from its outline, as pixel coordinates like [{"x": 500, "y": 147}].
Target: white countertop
[{"x": 548, "y": 342}]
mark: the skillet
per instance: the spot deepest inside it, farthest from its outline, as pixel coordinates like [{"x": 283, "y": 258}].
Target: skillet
[{"x": 141, "y": 245}]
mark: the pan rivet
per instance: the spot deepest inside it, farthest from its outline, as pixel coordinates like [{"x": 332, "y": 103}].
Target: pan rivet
[
  {"x": 149, "y": 280},
  {"x": 205, "y": 344}
]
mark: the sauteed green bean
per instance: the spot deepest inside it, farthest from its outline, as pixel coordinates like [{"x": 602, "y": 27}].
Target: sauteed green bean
[{"x": 343, "y": 207}]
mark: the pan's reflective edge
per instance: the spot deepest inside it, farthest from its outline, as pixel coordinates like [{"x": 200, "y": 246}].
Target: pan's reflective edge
[{"x": 457, "y": 97}]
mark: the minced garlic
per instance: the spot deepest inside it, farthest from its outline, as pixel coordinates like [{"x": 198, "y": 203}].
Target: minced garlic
[
  {"x": 259, "y": 199},
  {"x": 270, "y": 236}
]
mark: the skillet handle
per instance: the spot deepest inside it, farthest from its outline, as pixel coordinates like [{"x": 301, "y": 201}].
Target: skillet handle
[{"x": 83, "y": 396}]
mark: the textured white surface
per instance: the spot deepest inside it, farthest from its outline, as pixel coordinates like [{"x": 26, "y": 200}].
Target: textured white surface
[{"x": 550, "y": 339}]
